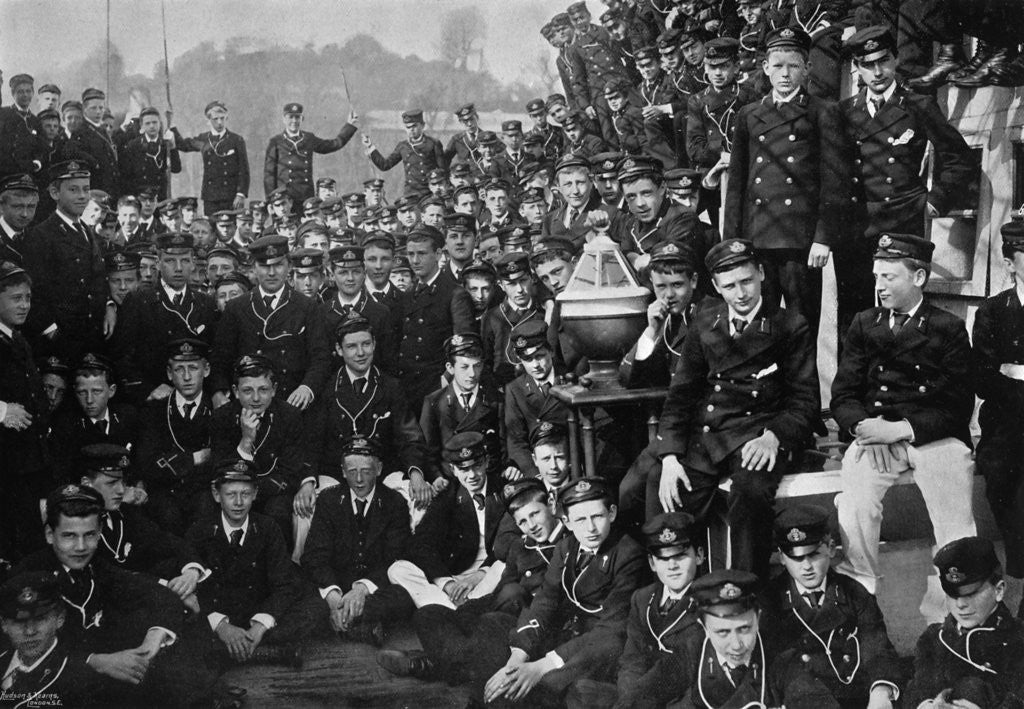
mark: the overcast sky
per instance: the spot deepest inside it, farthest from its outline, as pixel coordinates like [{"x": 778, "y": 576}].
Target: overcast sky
[{"x": 34, "y": 34}]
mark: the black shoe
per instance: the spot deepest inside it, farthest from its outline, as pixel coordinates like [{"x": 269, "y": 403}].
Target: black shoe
[
  {"x": 988, "y": 72},
  {"x": 369, "y": 633},
  {"x": 981, "y": 55},
  {"x": 406, "y": 664},
  {"x": 949, "y": 60},
  {"x": 289, "y": 655}
]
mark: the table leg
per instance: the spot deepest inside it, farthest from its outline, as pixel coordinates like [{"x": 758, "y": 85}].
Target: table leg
[
  {"x": 574, "y": 443},
  {"x": 587, "y": 419}
]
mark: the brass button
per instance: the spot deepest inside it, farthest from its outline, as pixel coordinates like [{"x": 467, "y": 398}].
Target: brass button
[
  {"x": 788, "y": 202},
  {"x": 711, "y": 407},
  {"x": 707, "y": 429},
  {"x": 792, "y": 138}
]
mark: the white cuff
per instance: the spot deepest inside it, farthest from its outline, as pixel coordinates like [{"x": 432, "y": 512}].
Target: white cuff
[
  {"x": 310, "y": 479},
  {"x": 215, "y": 619},
  {"x": 557, "y": 662},
  {"x": 890, "y": 685},
  {"x": 203, "y": 573},
  {"x": 441, "y": 581},
  {"x": 370, "y": 585},
  {"x": 325, "y": 592},
  {"x": 243, "y": 454},
  {"x": 170, "y": 637},
  {"x": 3, "y": 410},
  {"x": 644, "y": 347},
  {"x": 264, "y": 619}
]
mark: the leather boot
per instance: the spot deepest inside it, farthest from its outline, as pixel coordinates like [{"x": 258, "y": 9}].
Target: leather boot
[
  {"x": 987, "y": 72},
  {"x": 406, "y": 664},
  {"x": 981, "y": 55},
  {"x": 1010, "y": 74},
  {"x": 949, "y": 60},
  {"x": 369, "y": 633},
  {"x": 278, "y": 655}
]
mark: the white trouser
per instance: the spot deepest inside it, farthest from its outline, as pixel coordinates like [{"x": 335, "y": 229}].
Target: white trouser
[
  {"x": 943, "y": 471},
  {"x": 424, "y": 593}
]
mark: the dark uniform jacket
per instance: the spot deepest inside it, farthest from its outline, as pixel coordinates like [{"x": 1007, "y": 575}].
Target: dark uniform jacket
[
  {"x": 106, "y": 171},
  {"x": 61, "y": 678},
  {"x": 289, "y": 161},
  {"x": 108, "y": 609},
  {"x": 418, "y": 160},
  {"x": 653, "y": 665},
  {"x": 998, "y": 339},
  {"x": 168, "y": 442},
  {"x": 383, "y": 324},
  {"x": 463, "y": 147},
  {"x": 291, "y": 335},
  {"x": 71, "y": 430},
  {"x": 146, "y": 322},
  {"x": 69, "y": 284},
  {"x": 594, "y": 61},
  {"x": 446, "y": 540},
  {"x": 339, "y": 551},
  {"x": 922, "y": 375},
  {"x": 527, "y": 560},
  {"x": 499, "y": 328},
  {"x": 258, "y": 578},
  {"x": 587, "y": 146},
  {"x": 282, "y": 451},
  {"x": 132, "y": 541},
  {"x": 889, "y": 151},
  {"x": 581, "y": 614},
  {"x": 379, "y": 412},
  {"x": 527, "y": 404},
  {"x": 21, "y": 142},
  {"x": 710, "y": 122},
  {"x": 656, "y": 370},
  {"x": 712, "y": 687},
  {"x": 984, "y": 665},
  {"x": 848, "y": 620},
  {"x": 554, "y": 222},
  {"x": 726, "y": 390},
  {"x": 144, "y": 162},
  {"x": 225, "y": 164},
  {"x": 24, "y": 452},
  {"x": 629, "y": 128},
  {"x": 789, "y": 174},
  {"x": 11, "y": 245},
  {"x": 671, "y": 223},
  {"x": 444, "y": 416},
  {"x": 430, "y": 315}
]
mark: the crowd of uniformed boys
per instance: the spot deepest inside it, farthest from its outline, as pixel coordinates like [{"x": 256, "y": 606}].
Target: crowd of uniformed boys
[{"x": 329, "y": 413}]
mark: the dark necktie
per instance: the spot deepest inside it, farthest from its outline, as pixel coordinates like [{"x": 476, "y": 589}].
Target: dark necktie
[
  {"x": 178, "y": 297},
  {"x": 583, "y": 561},
  {"x": 269, "y": 301},
  {"x": 478, "y": 500},
  {"x": 79, "y": 577},
  {"x": 189, "y": 408},
  {"x": 898, "y": 321},
  {"x": 813, "y": 598},
  {"x": 83, "y": 231},
  {"x": 360, "y": 508},
  {"x": 876, "y": 106},
  {"x": 574, "y": 214},
  {"x": 359, "y": 385},
  {"x": 738, "y": 674},
  {"x": 667, "y": 605},
  {"x": 100, "y": 427},
  {"x": 465, "y": 401},
  {"x": 546, "y": 388},
  {"x": 739, "y": 324},
  {"x": 236, "y": 539}
]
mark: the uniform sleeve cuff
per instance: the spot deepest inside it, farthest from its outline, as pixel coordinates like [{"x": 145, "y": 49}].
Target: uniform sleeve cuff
[
  {"x": 244, "y": 454},
  {"x": 203, "y": 573},
  {"x": 890, "y": 685},
  {"x": 264, "y": 619},
  {"x": 169, "y": 637},
  {"x": 215, "y": 619},
  {"x": 310, "y": 479},
  {"x": 325, "y": 592},
  {"x": 644, "y": 347},
  {"x": 557, "y": 662},
  {"x": 370, "y": 585},
  {"x": 3, "y": 410}
]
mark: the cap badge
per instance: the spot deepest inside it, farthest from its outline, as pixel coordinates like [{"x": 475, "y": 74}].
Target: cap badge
[
  {"x": 796, "y": 535},
  {"x": 737, "y": 247},
  {"x": 509, "y": 490},
  {"x": 457, "y": 340},
  {"x": 954, "y": 575},
  {"x": 28, "y": 595},
  {"x": 239, "y": 467},
  {"x": 521, "y": 342},
  {"x": 582, "y": 486},
  {"x": 787, "y": 33},
  {"x": 871, "y": 45},
  {"x": 546, "y": 426},
  {"x": 670, "y": 248},
  {"x": 186, "y": 348},
  {"x": 629, "y": 164},
  {"x": 518, "y": 232},
  {"x": 667, "y": 536},
  {"x": 885, "y": 242},
  {"x": 465, "y": 453},
  {"x": 73, "y": 166},
  {"x": 70, "y": 490},
  {"x": 124, "y": 462},
  {"x": 730, "y": 592},
  {"x": 271, "y": 251},
  {"x": 685, "y": 182},
  {"x": 53, "y": 362}
]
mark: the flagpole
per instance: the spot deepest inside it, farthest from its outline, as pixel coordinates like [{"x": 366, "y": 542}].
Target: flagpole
[
  {"x": 108, "y": 51},
  {"x": 169, "y": 113}
]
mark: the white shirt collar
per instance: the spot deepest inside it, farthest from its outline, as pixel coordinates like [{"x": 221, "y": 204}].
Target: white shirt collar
[
  {"x": 430, "y": 281},
  {"x": 666, "y": 594},
  {"x": 6, "y": 330},
  {"x": 171, "y": 293},
  {"x": 180, "y": 402},
  {"x": 70, "y": 221},
  {"x": 368, "y": 498},
  {"x": 17, "y": 664},
  {"x": 802, "y": 590},
  {"x": 8, "y": 229},
  {"x": 885, "y": 95},
  {"x": 228, "y": 529},
  {"x": 911, "y": 313},
  {"x": 1020, "y": 291},
  {"x": 374, "y": 290},
  {"x": 219, "y": 135},
  {"x": 343, "y": 301},
  {"x": 726, "y": 663},
  {"x": 779, "y": 98},
  {"x": 276, "y": 296},
  {"x": 105, "y": 417},
  {"x": 472, "y": 393},
  {"x": 749, "y": 317},
  {"x": 98, "y": 126},
  {"x": 352, "y": 376}
]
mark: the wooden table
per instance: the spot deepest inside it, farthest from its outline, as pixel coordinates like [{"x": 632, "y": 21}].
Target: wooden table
[{"x": 582, "y": 402}]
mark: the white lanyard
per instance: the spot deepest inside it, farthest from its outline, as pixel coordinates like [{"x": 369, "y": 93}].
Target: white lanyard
[
  {"x": 377, "y": 418},
  {"x": 667, "y": 630},
  {"x": 967, "y": 649},
  {"x": 827, "y": 645},
  {"x": 183, "y": 318},
  {"x": 81, "y": 608},
  {"x": 266, "y": 320},
  {"x": 700, "y": 674},
  {"x": 116, "y": 551},
  {"x": 571, "y": 594}
]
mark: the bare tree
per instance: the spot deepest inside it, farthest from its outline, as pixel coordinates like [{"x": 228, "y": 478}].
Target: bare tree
[{"x": 461, "y": 30}]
